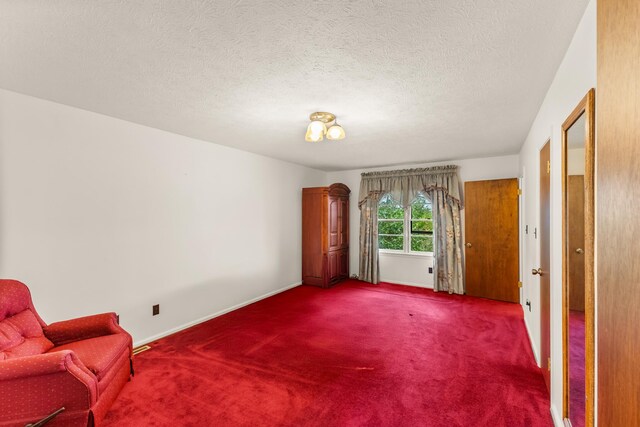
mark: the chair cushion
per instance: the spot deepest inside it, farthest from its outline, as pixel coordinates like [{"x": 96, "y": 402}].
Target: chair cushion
[
  {"x": 98, "y": 354},
  {"x": 15, "y": 299},
  {"x": 21, "y": 335}
]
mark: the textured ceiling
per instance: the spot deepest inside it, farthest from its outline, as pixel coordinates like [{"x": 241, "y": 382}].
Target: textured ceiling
[{"x": 410, "y": 80}]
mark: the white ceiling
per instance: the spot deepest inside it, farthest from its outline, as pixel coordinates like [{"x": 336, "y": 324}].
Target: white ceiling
[{"x": 410, "y": 80}]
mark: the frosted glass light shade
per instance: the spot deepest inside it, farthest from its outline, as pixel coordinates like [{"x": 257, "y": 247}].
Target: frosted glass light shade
[
  {"x": 315, "y": 131},
  {"x": 335, "y": 132},
  {"x": 317, "y": 127},
  {"x": 307, "y": 136},
  {"x": 315, "y": 137}
]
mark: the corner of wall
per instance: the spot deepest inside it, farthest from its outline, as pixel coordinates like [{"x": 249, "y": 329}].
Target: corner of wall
[{"x": 557, "y": 419}]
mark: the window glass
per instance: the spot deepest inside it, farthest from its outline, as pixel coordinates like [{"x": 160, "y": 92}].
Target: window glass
[
  {"x": 421, "y": 208},
  {"x": 421, "y": 227},
  {"x": 391, "y": 224}
]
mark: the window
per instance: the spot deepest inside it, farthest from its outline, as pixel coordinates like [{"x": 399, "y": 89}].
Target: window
[
  {"x": 405, "y": 231},
  {"x": 390, "y": 224}
]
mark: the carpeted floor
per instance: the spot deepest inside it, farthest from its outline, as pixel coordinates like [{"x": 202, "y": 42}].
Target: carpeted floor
[
  {"x": 577, "y": 388},
  {"x": 353, "y": 355}
]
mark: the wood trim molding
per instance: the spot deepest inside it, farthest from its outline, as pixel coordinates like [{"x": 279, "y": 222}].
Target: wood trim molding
[
  {"x": 586, "y": 107},
  {"x": 339, "y": 189}
]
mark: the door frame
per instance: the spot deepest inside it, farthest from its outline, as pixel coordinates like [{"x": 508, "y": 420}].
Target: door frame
[
  {"x": 521, "y": 234},
  {"x": 587, "y": 107},
  {"x": 545, "y": 359}
]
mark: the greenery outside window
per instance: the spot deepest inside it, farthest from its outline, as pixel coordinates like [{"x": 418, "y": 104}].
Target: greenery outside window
[{"x": 405, "y": 230}]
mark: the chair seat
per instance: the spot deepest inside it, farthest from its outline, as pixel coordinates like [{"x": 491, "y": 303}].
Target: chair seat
[{"x": 98, "y": 354}]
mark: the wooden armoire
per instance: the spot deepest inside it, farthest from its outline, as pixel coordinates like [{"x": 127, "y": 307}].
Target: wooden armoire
[{"x": 325, "y": 235}]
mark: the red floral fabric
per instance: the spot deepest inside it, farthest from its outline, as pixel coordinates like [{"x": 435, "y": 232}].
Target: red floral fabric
[
  {"x": 34, "y": 386},
  {"x": 80, "y": 364},
  {"x": 21, "y": 335},
  {"x": 83, "y": 328},
  {"x": 100, "y": 353},
  {"x": 14, "y": 298}
]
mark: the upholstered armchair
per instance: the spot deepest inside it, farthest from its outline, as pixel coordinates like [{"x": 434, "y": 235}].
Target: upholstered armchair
[{"x": 79, "y": 365}]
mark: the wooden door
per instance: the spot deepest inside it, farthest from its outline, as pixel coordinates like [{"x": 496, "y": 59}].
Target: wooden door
[
  {"x": 491, "y": 234},
  {"x": 545, "y": 263},
  {"x": 314, "y": 235},
  {"x": 338, "y": 237},
  {"x": 575, "y": 244},
  {"x": 618, "y": 204}
]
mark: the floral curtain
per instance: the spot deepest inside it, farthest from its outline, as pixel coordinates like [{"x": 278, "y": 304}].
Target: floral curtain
[
  {"x": 447, "y": 244},
  {"x": 442, "y": 186},
  {"x": 369, "y": 267}
]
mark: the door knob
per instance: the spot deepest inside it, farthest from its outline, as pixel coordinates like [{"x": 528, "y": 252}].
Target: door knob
[
  {"x": 468, "y": 245},
  {"x": 579, "y": 251},
  {"x": 538, "y": 272}
]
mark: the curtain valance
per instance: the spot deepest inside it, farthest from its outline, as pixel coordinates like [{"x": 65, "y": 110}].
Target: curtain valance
[{"x": 405, "y": 184}]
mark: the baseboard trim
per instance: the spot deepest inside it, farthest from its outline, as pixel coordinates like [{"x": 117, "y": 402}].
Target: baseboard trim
[
  {"x": 397, "y": 282},
  {"x": 557, "y": 419},
  {"x": 536, "y": 355},
  {"x": 211, "y": 316}
]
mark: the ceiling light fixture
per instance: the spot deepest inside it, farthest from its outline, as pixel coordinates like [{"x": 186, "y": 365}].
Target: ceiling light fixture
[{"x": 322, "y": 124}]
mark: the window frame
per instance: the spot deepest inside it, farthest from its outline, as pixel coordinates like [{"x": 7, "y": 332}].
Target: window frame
[{"x": 406, "y": 236}]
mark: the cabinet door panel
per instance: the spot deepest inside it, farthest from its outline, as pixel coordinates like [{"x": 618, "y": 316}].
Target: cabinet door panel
[
  {"x": 334, "y": 223},
  {"x": 334, "y": 266},
  {"x": 344, "y": 264},
  {"x": 343, "y": 240}
]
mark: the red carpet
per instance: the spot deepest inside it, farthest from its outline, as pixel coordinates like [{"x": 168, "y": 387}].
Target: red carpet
[
  {"x": 577, "y": 387},
  {"x": 354, "y": 355}
]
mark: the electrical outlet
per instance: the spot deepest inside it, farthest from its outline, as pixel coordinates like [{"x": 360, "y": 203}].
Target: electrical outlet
[
  {"x": 156, "y": 309},
  {"x": 430, "y": 270}
]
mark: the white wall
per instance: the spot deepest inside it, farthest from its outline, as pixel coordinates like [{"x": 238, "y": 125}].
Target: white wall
[
  {"x": 409, "y": 269},
  {"x": 98, "y": 214},
  {"x": 575, "y": 76},
  {"x": 575, "y": 161}
]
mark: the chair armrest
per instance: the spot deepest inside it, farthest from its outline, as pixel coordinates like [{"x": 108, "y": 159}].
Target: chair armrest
[
  {"x": 82, "y": 328},
  {"x": 32, "y": 385},
  {"x": 45, "y": 364}
]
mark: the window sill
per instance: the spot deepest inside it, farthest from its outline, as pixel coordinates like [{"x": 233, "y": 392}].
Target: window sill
[{"x": 406, "y": 254}]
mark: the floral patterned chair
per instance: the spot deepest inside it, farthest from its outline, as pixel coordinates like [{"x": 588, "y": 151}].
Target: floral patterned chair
[{"x": 79, "y": 365}]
